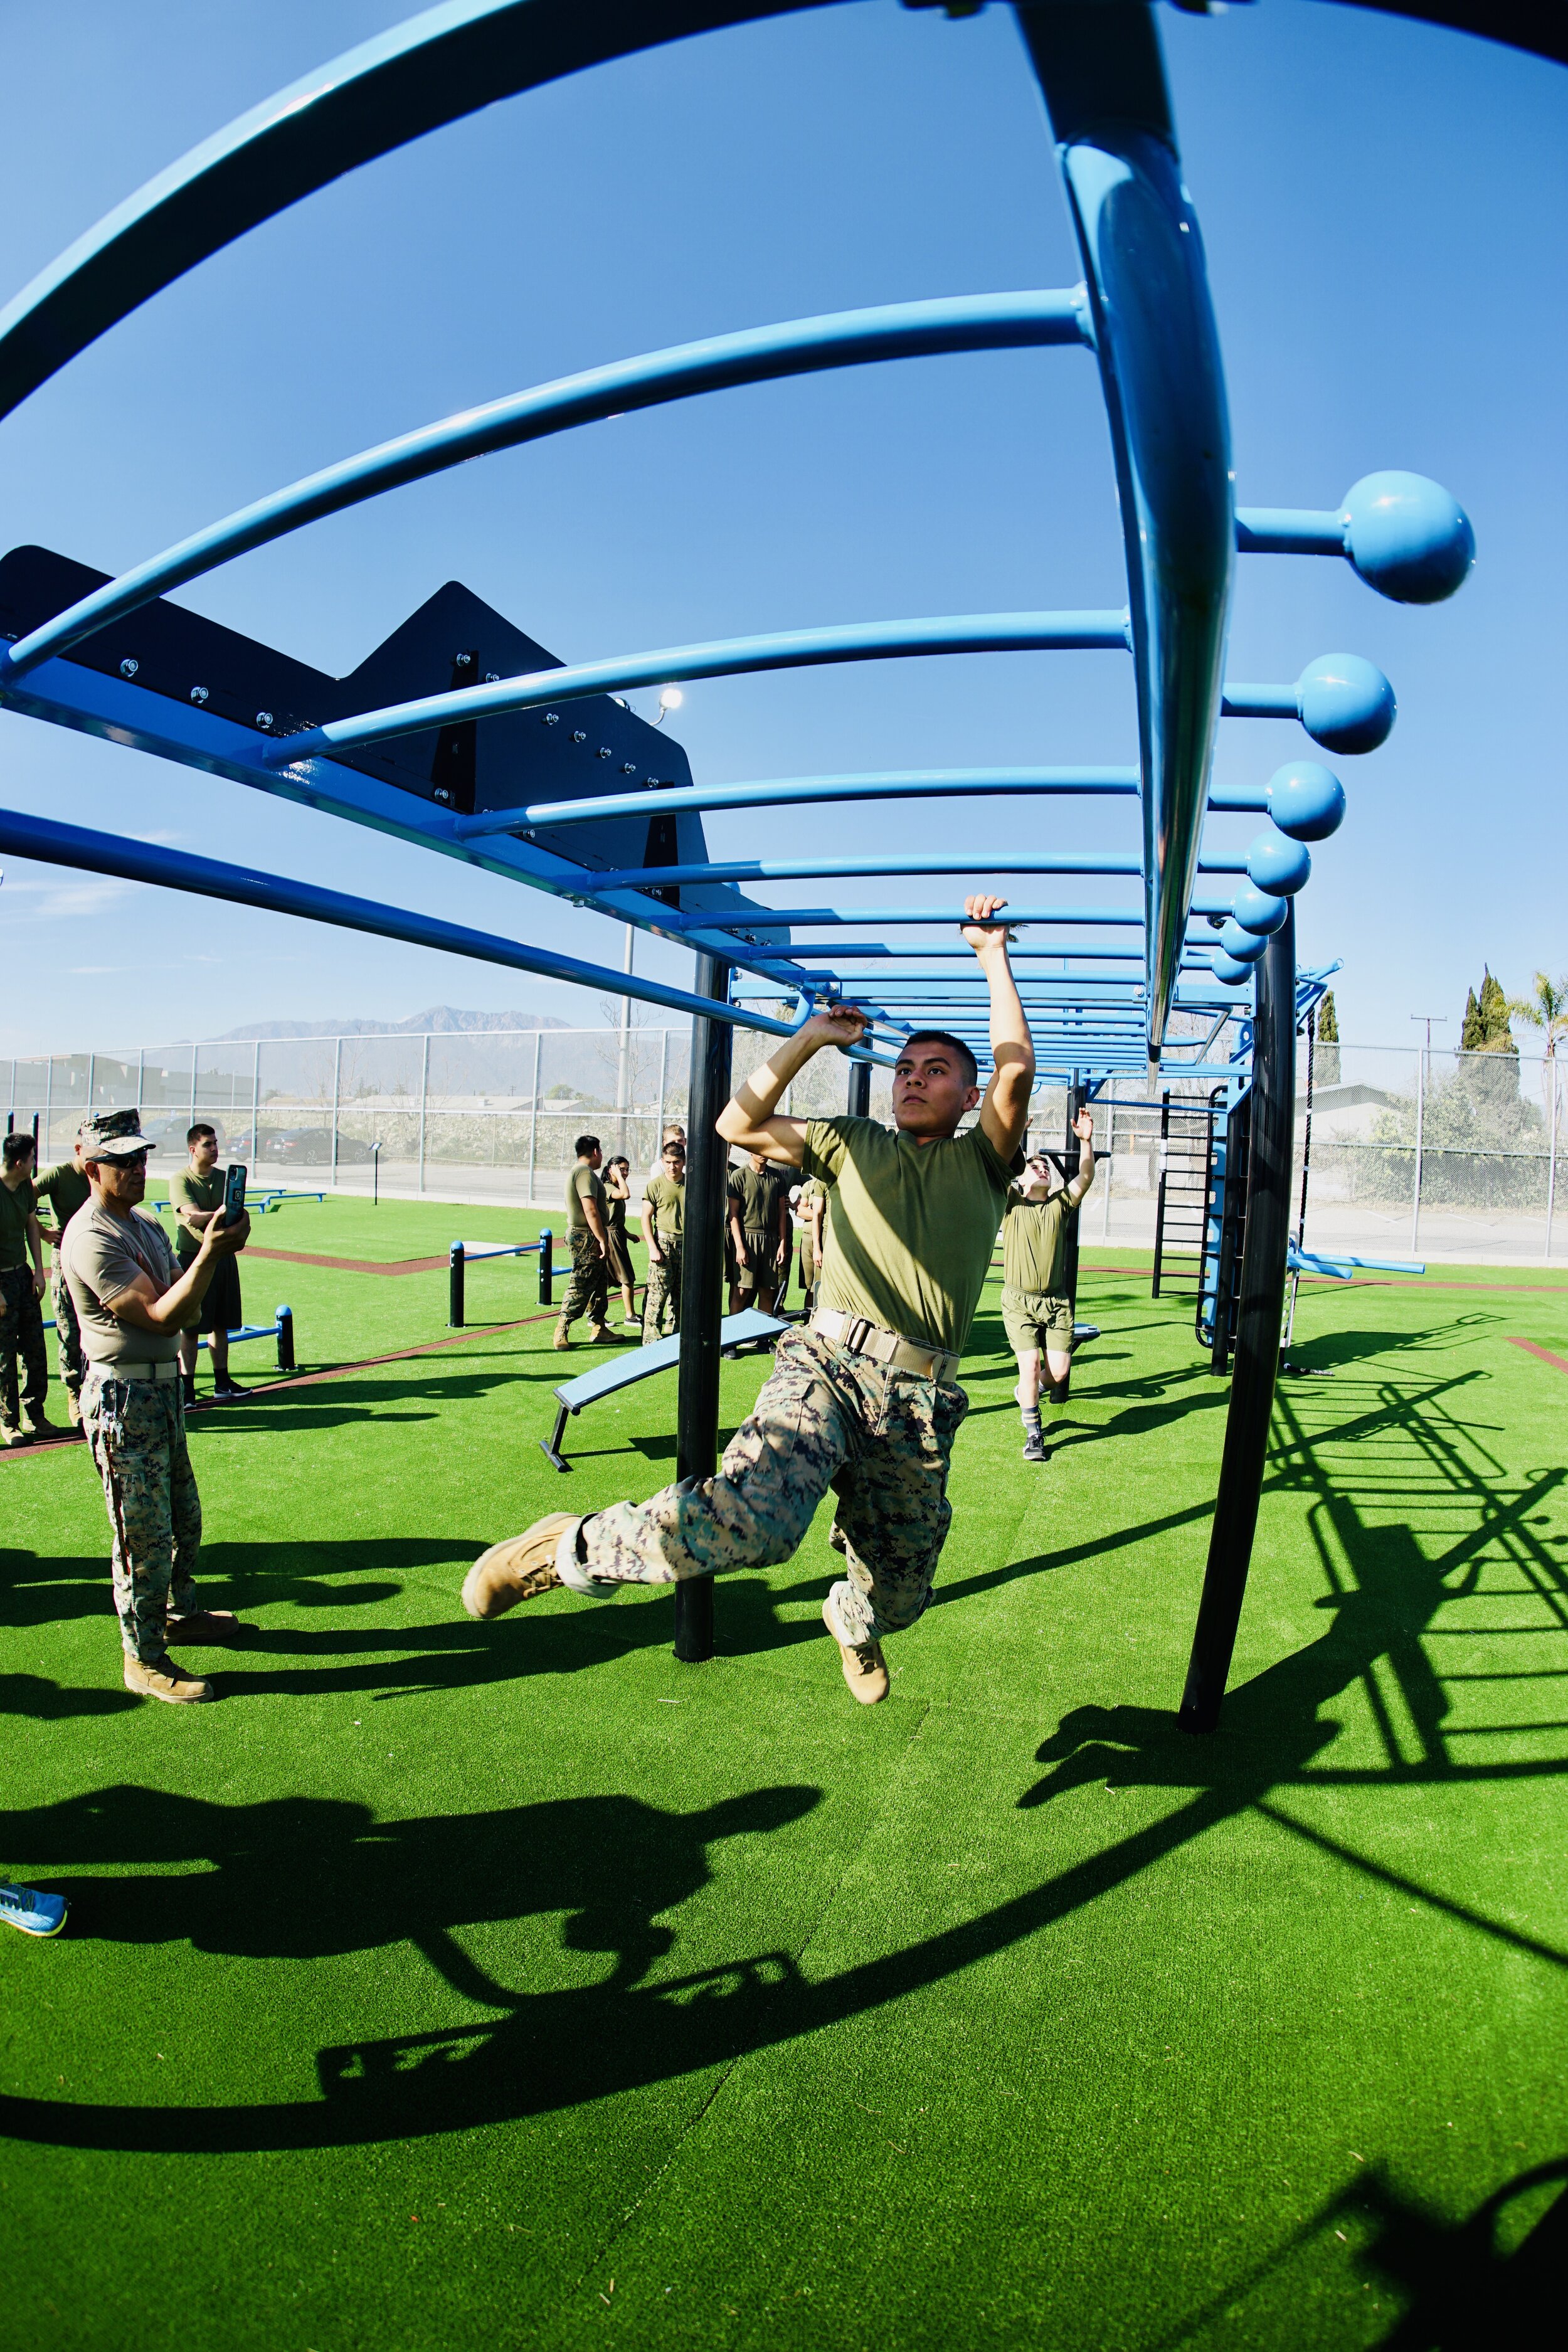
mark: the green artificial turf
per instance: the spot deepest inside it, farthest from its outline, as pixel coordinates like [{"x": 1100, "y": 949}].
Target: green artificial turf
[{"x": 452, "y": 1986}]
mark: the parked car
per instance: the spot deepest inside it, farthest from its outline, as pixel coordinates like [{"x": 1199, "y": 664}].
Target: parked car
[{"x": 310, "y": 1147}]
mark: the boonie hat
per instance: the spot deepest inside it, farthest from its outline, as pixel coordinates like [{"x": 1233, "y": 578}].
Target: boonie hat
[{"x": 113, "y": 1135}]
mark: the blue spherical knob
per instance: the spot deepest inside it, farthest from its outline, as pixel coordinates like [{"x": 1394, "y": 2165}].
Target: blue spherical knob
[
  {"x": 1243, "y": 947},
  {"x": 1230, "y": 973},
  {"x": 1346, "y": 704},
  {"x": 1276, "y": 863},
  {"x": 1259, "y": 911},
  {"x": 1407, "y": 538},
  {"x": 1306, "y": 801}
]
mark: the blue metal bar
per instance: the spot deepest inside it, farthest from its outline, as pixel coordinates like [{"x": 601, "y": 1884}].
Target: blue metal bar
[
  {"x": 789, "y": 869},
  {"x": 1260, "y": 702},
  {"x": 757, "y": 355},
  {"x": 911, "y": 784},
  {"x": 433, "y": 69},
  {"x": 174, "y": 869},
  {"x": 768, "y": 918},
  {"x": 1158, "y": 345},
  {"x": 1289, "y": 530},
  {"x": 852, "y": 641}
]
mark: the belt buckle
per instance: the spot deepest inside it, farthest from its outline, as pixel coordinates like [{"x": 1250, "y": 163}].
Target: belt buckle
[{"x": 856, "y": 1330}]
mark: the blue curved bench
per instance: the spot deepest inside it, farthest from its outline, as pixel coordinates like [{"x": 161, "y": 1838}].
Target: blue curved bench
[{"x": 623, "y": 1371}]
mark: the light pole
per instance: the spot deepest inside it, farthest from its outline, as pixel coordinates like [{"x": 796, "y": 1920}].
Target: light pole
[{"x": 1423, "y": 1056}]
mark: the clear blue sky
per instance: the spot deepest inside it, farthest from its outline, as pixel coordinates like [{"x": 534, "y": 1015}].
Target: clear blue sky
[{"x": 1386, "y": 208}]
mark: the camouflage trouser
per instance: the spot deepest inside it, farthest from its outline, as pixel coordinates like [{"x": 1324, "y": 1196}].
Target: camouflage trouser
[
  {"x": 661, "y": 1300},
  {"x": 68, "y": 1330},
  {"x": 588, "y": 1292},
  {"x": 21, "y": 1334},
  {"x": 137, "y": 1433},
  {"x": 882, "y": 1439}
]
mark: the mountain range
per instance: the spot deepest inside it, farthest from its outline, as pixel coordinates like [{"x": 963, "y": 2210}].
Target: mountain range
[{"x": 439, "y": 1020}]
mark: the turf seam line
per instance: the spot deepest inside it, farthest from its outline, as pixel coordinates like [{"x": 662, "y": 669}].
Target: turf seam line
[{"x": 701, "y": 2113}]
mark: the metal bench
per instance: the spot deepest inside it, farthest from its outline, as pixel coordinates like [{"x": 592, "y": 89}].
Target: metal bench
[{"x": 637, "y": 1364}]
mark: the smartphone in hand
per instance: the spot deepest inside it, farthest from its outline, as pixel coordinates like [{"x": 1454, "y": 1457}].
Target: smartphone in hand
[{"x": 234, "y": 1194}]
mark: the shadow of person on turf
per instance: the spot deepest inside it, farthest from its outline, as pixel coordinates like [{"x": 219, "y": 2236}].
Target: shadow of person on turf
[{"x": 307, "y": 1878}]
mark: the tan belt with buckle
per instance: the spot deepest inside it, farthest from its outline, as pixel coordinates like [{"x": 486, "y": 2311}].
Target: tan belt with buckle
[
  {"x": 863, "y": 1338},
  {"x": 164, "y": 1371}
]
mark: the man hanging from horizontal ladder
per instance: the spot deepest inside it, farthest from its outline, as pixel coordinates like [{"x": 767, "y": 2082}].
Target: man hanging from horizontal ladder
[{"x": 864, "y": 1399}]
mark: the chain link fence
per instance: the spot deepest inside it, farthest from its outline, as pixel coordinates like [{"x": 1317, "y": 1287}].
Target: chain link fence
[{"x": 1450, "y": 1155}]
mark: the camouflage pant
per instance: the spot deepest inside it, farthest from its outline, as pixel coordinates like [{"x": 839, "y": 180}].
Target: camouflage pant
[
  {"x": 68, "y": 1330},
  {"x": 21, "y": 1334},
  {"x": 137, "y": 1433},
  {"x": 588, "y": 1292},
  {"x": 661, "y": 1300},
  {"x": 882, "y": 1439}
]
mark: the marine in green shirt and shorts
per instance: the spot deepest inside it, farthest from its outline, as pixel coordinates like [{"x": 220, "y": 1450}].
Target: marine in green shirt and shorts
[
  {"x": 588, "y": 1238},
  {"x": 22, "y": 1417},
  {"x": 759, "y": 1233},
  {"x": 864, "y": 1399},
  {"x": 1036, "y": 1313},
  {"x": 664, "y": 1227}
]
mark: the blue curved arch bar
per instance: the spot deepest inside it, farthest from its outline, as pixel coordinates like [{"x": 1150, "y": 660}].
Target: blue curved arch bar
[
  {"x": 431, "y": 69},
  {"x": 969, "y": 632},
  {"x": 894, "y": 784},
  {"x": 175, "y": 869},
  {"x": 971, "y": 323}
]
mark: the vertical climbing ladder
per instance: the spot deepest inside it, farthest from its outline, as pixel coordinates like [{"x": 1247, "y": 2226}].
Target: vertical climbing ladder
[{"x": 1180, "y": 1214}]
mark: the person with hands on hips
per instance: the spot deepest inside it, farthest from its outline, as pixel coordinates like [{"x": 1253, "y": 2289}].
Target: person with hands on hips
[
  {"x": 133, "y": 1299},
  {"x": 863, "y": 1398}
]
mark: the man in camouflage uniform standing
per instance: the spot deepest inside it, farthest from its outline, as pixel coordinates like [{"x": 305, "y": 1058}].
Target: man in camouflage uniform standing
[
  {"x": 132, "y": 1300},
  {"x": 587, "y": 1234},
  {"x": 865, "y": 1399},
  {"x": 22, "y": 1418},
  {"x": 663, "y": 1225},
  {"x": 66, "y": 1189}
]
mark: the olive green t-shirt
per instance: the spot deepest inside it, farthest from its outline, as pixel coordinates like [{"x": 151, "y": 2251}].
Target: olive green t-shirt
[
  {"x": 1033, "y": 1243},
  {"x": 102, "y": 1255},
  {"x": 756, "y": 1192},
  {"x": 189, "y": 1190},
  {"x": 66, "y": 1190},
  {"x": 910, "y": 1229},
  {"x": 582, "y": 1184},
  {"x": 16, "y": 1208},
  {"x": 667, "y": 1206}
]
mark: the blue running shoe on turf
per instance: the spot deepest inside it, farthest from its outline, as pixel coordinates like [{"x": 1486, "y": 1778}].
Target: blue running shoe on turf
[{"x": 35, "y": 1913}]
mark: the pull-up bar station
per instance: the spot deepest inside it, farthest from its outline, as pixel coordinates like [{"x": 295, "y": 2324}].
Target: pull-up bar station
[{"x": 467, "y": 738}]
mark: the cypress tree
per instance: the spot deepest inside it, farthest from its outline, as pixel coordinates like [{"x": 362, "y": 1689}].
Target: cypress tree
[
  {"x": 1472, "y": 1036},
  {"x": 1492, "y": 1007},
  {"x": 1326, "y": 1062}
]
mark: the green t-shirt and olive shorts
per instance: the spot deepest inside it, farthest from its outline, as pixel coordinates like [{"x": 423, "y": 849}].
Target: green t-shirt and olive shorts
[
  {"x": 665, "y": 1199},
  {"x": 907, "y": 1244},
  {"x": 222, "y": 1308},
  {"x": 1035, "y": 1309},
  {"x": 754, "y": 1196}
]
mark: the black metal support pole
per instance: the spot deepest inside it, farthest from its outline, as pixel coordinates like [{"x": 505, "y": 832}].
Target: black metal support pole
[
  {"x": 1262, "y": 1300},
  {"x": 859, "y": 1105},
  {"x": 547, "y": 1267},
  {"x": 702, "y": 1289},
  {"x": 454, "y": 1286},
  {"x": 285, "y": 1339},
  {"x": 1077, "y": 1097}
]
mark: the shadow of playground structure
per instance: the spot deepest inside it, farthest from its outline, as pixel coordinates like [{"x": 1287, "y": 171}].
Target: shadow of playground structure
[{"x": 616, "y": 1865}]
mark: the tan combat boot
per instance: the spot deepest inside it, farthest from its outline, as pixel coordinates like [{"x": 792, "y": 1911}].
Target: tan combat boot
[
  {"x": 563, "y": 1336},
  {"x": 601, "y": 1336},
  {"x": 519, "y": 1570},
  {"x": 205, "y": 1627},
  {"x": 164, "y": 1678},
  {"x": 865, "y": 1668},
  {"x": 12, "y": 1433}
]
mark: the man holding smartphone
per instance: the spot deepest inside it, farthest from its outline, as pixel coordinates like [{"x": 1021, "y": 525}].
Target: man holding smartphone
[
  {"x": 132, "y": 1301},
  {"x": 195, "y": 1196}
]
